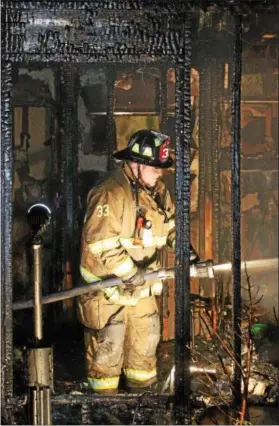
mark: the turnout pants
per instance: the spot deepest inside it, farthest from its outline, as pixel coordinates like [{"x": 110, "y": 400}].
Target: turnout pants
[{"x": 120, "y": 337}]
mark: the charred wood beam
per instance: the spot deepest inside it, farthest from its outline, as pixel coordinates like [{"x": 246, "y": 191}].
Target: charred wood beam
[
  {"x": 236, "y": 207},
  {"x": 6, "y": 242},
  {"x": 217, "y": 95},
  {"x": 209, "y": 173},
  {"x": 146, "y": 399},
  {"x": 243, "y": 6},
  {"x": 237, "y": 6},
  {"x": 68, "y": 168},
  {"x": 103, "y": 35},
  {"x": 217, "y": 79},
  {"x": 182, "y": 247},
  {"x": 110, "y": 125}
]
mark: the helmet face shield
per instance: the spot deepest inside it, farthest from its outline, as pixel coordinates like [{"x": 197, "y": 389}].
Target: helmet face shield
[{"x": 147, "y": 147}]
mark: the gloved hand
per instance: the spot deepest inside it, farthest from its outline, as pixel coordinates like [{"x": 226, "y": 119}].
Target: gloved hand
[{"x": 136, "y": 281}]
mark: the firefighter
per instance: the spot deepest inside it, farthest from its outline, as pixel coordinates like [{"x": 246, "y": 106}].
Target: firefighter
[{"x": 129, "y": 218}]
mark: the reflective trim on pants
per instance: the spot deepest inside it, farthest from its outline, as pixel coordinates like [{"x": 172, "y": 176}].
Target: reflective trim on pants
[
  {"x": 140, "y": 375},
  {"x": 103, "y": 383}
]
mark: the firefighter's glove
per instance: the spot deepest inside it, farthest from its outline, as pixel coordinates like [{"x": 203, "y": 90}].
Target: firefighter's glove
[{"x": 136, "y": 281}]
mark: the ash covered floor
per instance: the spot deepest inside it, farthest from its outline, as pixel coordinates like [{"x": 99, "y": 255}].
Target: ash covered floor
[{"x": 207, "y": 389}]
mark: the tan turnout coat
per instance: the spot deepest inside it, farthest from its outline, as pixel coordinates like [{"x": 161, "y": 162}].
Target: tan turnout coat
[{"x": 109, "y": 230}]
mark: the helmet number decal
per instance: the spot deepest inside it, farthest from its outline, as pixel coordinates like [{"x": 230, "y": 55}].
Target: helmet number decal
[
  {"x": 164, "y": 150},
  {"x": 103, "y": 210}
]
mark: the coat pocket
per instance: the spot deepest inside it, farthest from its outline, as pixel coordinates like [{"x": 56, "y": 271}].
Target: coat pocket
[{"x": 97, "y": 312}]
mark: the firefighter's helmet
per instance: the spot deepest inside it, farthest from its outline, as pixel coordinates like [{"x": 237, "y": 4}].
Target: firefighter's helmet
[{"x": 147, "y": 147}]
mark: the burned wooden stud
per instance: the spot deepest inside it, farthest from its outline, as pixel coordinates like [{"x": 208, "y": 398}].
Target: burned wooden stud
[
  {"x": 236, "y": 206},
  {"x": 110, "y": 126},
  {"x": 182, "y": 247},
  {"x": 6, "y": 240},
  {"x": 68, "y": 174}
]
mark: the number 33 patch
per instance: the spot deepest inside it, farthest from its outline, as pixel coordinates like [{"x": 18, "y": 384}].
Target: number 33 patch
[{"x": 103, "y": 210}]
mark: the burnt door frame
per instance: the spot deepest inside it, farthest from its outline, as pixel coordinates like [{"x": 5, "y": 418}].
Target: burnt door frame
[{"x": 49, "y": 34}]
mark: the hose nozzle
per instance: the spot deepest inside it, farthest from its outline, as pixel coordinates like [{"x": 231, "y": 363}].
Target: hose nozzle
[{"x": 202, "y": 269}]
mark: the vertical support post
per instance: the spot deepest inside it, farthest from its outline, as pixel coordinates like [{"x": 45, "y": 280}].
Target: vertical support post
[
  {"x": 69, "y": 147},
  {"x": 236, "y": 211},
  {"x": 182, "y": 248},
  {"x": 162, "y": 103},
  {"x": 110, "y": 126},
  {"x": 6, "y": 241},
  {"x": 216, "y": 99}
]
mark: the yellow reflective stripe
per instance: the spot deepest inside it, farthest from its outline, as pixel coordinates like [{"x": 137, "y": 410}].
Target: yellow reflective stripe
[
  {"x": 147, "y": 152},
  {"x": 124, "y": 268},
  {"x": 104, "y": 245},
  {"x": 158, "y": 142},
  {"x": 111, "y": 292},
  {"x": 153, "y": 242},
  {"x": 140, "y": 375},
  {"x": 171, "y": 224},
  {"x": 88, "y": 276},
  {"x": 104, "y": 383},
  {"x": 136, "y": 148}
]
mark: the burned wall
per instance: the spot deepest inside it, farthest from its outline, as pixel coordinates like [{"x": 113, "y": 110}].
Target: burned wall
[
  {"x": 259, "y": 165},
  {"x": 33, "y": 100}
]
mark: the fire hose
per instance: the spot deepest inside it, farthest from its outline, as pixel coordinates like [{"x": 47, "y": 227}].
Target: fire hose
[{"x": 202, "y": 269}]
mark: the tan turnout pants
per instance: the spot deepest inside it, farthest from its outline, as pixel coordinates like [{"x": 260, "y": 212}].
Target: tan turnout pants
[{"x": 120, "y": 337}]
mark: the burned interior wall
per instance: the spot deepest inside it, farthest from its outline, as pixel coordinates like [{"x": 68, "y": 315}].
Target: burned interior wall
[
  {"x": 259, "y": 163},
  {"x": 33, "y": 100}
]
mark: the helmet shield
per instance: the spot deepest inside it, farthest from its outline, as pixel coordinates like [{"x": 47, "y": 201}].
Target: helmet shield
[{"x": 147, "y": 147}]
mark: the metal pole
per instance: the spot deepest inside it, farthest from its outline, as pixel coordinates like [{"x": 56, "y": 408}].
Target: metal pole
[
  {"x": 39, "y": 358},
  {"x": 236, "y": 212},
  {"x": 47, "y": 407},
  {"x": 37, "y": 283}
]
